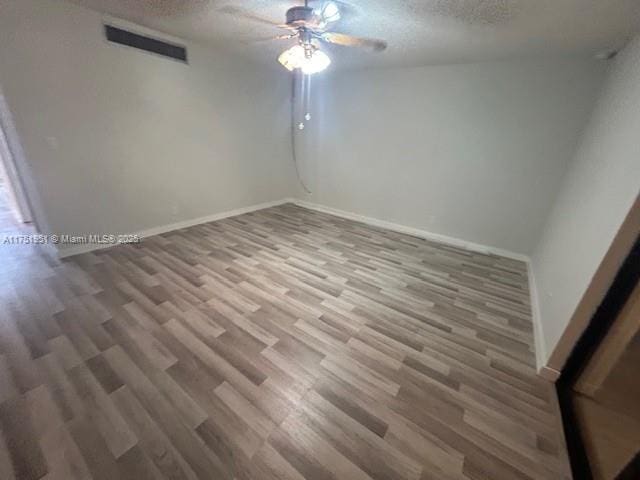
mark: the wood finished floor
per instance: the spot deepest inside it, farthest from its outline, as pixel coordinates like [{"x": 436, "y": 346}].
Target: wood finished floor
[{"x": 281, "y": 344}]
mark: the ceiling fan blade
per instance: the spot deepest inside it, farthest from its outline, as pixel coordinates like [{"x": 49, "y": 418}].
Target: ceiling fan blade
[
  {"x": 349, "y": 41},
  {"x": 286, "y": 36}
]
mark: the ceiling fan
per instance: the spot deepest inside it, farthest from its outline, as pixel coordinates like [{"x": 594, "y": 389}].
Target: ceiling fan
[{"x": 311, "y": 27}]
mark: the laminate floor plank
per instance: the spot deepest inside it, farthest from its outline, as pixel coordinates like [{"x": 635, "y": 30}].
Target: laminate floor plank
[{"x": 279, "y": 344}]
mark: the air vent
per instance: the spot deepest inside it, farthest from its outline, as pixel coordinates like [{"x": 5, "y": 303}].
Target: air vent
[{"x": 148, "y": 44}]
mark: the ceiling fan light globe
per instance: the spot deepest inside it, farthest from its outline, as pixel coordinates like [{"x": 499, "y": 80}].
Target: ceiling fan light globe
[
  {"x": 292, "y": 58},
  {"x": 297, "y": 58},
  {"x": 318, "y": 62},
  {"x": 330, "y": 12}
]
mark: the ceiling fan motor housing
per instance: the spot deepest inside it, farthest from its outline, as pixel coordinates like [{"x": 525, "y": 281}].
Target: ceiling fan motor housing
[{"x": 300, "y": 16}]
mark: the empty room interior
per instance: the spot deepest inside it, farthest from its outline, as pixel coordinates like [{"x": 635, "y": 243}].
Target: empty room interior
[{"x": 316, "y": 240}]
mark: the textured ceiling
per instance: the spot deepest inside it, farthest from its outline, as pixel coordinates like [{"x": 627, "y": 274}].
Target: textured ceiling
[{"x": 418, "y": 32}]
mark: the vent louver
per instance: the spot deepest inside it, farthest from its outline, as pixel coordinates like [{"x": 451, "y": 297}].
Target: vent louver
[{"x": 148, "y": 44}]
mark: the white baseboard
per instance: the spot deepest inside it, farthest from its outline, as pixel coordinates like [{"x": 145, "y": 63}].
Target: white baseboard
[
  {"x": 416, "y": 232},
  {"x": 436, "y": 237},
  {"x": 540, "y": 346},
  {"x": 85, "y": 248}
]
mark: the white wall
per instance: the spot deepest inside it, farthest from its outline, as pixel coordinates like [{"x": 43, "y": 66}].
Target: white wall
[
  {"x": 597, "y": 192},
  {"x": 474, "y": 152},
  {"x": 119, "y": 140}
]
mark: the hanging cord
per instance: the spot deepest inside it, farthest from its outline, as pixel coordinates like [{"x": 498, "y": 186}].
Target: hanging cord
[{"x": 294, "y": 127}]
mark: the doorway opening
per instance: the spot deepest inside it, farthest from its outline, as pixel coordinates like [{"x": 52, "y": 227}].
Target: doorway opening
[
  {"x": 15, "y": 208},
  {"x": 11, "y": 218}
]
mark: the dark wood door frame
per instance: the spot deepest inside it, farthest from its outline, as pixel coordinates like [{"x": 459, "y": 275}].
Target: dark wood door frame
[{"x": 625, "y": 281}]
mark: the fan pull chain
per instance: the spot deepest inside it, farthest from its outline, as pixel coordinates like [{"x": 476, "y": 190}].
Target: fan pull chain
[
  {"x": 307, "y": 99},
  {"x": 300, "y": 125},
  {"x": 305, "y": 104},
  {"x": 303, "y": 100}
]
